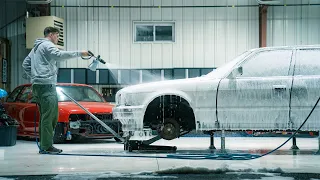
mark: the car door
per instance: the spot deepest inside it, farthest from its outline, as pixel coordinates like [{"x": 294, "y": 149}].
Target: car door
[
  {"x": 204, "y": 103},
  {"x": 259, "y": 97},
  {"x": 11, "y": 106},
  {"x": 21, "y": 104},
  {"x": 306, "y": 89},
  {"x": 27, "y": 108}
]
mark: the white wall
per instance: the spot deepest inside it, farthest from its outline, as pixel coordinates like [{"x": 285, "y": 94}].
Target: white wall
[
  {"x": 205, "y": 37},
  {"x": 294, "y": 25}
]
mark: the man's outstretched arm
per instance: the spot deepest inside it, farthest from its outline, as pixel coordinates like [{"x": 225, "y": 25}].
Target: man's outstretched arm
[{"x": 57, "y": 54}]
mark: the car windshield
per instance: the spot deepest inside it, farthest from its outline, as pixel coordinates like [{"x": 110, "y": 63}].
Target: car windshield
[
  {"x": 226, "y": 68},
  {"x": 78, "y": 93}
]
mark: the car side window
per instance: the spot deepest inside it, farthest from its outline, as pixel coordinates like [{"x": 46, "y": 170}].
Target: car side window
[
  {"x": 267, "y": 63},
  {"x": 308, "y": 62},
  {"x": 12, "y": 96},
  {"x": 25, "y": 95},
  {"x": 93, "y": 95}
]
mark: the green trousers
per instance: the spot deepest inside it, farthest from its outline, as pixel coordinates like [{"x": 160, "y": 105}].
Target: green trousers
[{"x": 46, "y": 97}]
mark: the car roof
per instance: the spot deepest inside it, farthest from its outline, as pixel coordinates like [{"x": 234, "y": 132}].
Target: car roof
[{"x": 287, "y": 47}]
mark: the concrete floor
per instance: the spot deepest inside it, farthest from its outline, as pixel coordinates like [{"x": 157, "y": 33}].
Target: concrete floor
[{"x": 23, "y": 158}]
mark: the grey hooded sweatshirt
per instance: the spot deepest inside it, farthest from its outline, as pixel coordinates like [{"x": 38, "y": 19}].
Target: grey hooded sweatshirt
[{"x": 41, "y": 63}]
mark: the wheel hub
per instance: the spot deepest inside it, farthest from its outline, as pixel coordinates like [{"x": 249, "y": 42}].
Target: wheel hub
[{"x": 170, "y": 129}]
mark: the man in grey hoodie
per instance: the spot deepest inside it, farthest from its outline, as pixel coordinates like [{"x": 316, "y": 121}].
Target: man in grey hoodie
[{"x": 40, "y": 67}]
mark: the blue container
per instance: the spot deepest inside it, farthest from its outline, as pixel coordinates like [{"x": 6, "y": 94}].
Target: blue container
[{"x": 3, "y": 93}]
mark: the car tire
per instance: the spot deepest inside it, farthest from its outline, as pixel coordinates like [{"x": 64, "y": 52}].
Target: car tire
[{"x": 59, "y": 137}]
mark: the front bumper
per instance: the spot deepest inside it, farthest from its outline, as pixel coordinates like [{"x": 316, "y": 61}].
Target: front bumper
[
  {"x": 93, "y": 129},
  {"x": 131, "y": 117}
]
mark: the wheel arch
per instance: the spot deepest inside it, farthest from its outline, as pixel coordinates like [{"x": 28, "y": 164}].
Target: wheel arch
[{"x": 184, "y": 105}]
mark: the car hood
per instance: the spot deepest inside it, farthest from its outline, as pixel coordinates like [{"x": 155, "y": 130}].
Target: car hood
[
  {"x": 93, "y": 107},
  {"x": 181, "y": 84}
]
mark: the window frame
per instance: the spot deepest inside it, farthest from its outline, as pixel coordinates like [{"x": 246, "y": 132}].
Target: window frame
[
  {"x": 154, "y": 24},
  {"x": 18, "y": 89},
  {"x": 23, "y": 92}
]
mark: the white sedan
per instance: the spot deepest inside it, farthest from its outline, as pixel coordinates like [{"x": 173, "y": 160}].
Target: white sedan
[{"x": 271, "y": 88}]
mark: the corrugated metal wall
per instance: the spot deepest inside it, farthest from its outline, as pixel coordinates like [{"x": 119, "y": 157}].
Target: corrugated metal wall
[
  {"x": 2, "y": 18},
  {"x": 294, "y": 25},
  {"x": 205, "y": 37},
  {"x": 15, "y": 33}
]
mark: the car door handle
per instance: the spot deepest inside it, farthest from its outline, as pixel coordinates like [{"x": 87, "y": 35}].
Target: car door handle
[{"x": 279, "y": 87}]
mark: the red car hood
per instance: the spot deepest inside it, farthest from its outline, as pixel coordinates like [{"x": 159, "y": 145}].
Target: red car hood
[{"x": 93, "y": 107}]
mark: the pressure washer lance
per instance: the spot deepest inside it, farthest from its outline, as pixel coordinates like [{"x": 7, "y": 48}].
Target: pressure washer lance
[{"x": 95, "y": 118}]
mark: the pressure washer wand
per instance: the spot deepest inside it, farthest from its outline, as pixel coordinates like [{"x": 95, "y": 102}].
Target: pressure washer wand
[{"x": 95, "y": 118}]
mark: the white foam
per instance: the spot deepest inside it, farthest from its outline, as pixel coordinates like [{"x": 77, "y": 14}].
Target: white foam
[
  {"x": 93, "y": 176},
  {"x": 1, "y": 154},
  {"x": 223, "y": 169},
  {"x": 2, "y": 178},
  {"x": 277, "y": 177}
]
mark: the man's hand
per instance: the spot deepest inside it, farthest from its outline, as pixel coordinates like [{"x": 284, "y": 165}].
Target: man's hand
[{"x": 84, "y": 53}]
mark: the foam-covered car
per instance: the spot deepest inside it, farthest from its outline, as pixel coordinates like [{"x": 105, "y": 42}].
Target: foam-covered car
[
  {"x": 271, "y": 88},
  {"x": 21, "y": 106}
]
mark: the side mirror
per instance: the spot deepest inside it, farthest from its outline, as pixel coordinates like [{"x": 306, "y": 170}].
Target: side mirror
[{"x": 236, "y": 72}]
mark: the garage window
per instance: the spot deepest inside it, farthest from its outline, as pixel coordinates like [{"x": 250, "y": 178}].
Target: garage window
[
  {"x": 80, "y": 76},
  {"x": 151, "y": 75},
  {"x": 154, "y": 32},
  {"x": 125, "y": 76},
  {"x": 91, "y": 77},
  {"x": 64, "y": 76},
  {"x": 103, "y": 76},
  {"x": 179, "y": 73}
]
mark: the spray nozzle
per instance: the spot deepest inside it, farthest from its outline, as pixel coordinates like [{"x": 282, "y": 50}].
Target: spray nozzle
[
  {"x": 95, "y": 62},
  {"x": 97, "y": 58}
]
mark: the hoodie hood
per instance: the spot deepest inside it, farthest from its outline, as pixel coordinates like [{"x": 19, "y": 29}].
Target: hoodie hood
[{"x": 39, "y": 41}]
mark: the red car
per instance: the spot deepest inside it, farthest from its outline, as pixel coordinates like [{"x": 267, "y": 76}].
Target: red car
[{"x": 21, "y": 106}]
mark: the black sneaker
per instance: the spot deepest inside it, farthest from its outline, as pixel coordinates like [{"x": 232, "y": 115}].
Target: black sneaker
[{"x": 51, "y": 150}]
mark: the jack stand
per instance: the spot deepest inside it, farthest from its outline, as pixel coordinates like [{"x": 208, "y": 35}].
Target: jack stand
[
  {"x": 223, "y": 142},
  {"x": 294, "y": 144},
  {"x": 212, "y": 140},
  {"x": 145, "y": 145},
  {"x": 318, "y": 152}
]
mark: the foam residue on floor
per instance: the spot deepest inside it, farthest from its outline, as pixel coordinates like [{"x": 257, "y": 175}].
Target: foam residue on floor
[
  {"x": 223, "y": 169},
  {"x": 92, "y": 176}
]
